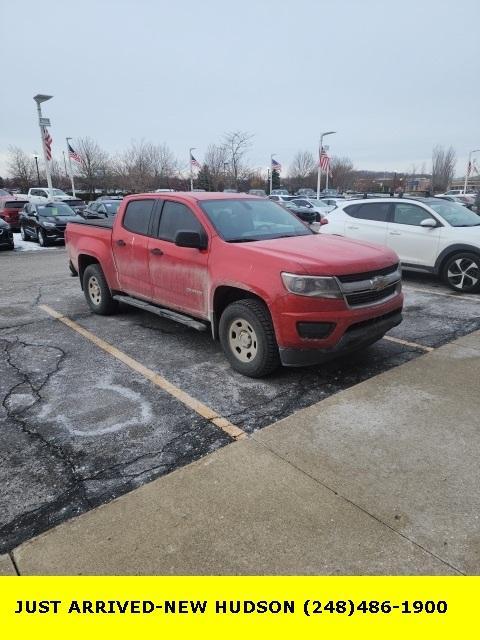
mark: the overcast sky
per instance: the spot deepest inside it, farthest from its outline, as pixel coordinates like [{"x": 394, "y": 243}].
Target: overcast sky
[{"x": 392, "y": 78}]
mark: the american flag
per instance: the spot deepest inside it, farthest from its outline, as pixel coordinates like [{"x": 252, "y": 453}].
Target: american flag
[
  {"x": 47, "y": 141},
  {"x": 324, "y": 160},
  {"x": 194, "y": 162},
  {"x": 72, "y": 154},
  {"x": 276, "y": 166}
]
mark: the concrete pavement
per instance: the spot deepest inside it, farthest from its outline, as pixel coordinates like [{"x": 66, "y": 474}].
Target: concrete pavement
[{"x": 381, "y": 478}]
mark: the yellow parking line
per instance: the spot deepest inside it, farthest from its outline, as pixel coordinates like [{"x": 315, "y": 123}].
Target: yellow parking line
[
  {"x": 408, "y": 344},
  {"x": 471, "y": 298},
  {"x": 192, "y": 403}
]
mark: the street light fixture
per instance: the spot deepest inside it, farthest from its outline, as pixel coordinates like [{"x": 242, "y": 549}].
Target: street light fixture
[
  {"x": 42, "y": 123},
  {"x": 469, "y": 165},
  {"x": 319, "y": 175}
]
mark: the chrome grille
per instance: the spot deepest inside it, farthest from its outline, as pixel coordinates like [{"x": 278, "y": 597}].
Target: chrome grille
[{"x": 371, "y": 287}]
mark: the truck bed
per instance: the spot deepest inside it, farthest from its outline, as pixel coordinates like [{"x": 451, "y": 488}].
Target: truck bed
[{"x": 106, "y": 223}]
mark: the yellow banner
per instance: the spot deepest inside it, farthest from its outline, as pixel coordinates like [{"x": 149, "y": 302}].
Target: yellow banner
[{"x": 239, "y": 607}]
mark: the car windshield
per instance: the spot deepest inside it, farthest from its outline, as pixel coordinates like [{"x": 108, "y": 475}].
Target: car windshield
[
  {"x": 112, "y": 207},
  {"x": 317, "y": 203},
  {"x": 250, "y": 220},
  {"x": 54, "y": 210},
  {"x": 59, "y": 192},
  {"x": 455, "y": 214}
]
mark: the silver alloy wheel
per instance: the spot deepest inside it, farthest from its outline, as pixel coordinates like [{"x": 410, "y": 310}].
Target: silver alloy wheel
[
  {"x": 94, "y": 290},
  {"x": 22, "y": 233},
  {"x": 242, "y": 340},
  {"x": 463, "y": 273},
  {"x": 41, "y": 238}
]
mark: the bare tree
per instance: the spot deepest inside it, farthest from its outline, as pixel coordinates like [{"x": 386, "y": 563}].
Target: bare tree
[
  {"x": 217, "y": 166},
  {"x": 21, "y": 168},
  {"x": 342, "y": 173},
  {"x": 145, "y": 166},
  {"x": 443, "y": 167},
  {"x": 93, "y": 168},
  {"x": 236, "y": 144},
  {"x": 303, "y": 165}
]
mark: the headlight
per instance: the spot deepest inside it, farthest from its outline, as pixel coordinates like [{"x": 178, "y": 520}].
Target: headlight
[{"x": 316, "y": 286}]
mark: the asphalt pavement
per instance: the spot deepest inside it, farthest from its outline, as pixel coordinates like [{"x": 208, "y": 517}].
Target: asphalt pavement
[{"x": 81, "y": 428}]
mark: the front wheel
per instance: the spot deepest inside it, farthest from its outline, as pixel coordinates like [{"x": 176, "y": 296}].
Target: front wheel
[
  {"x": 461, "y": 272},
  {"x": 97, "y": 291},
  {"x": 248, "y": 338},
  {"x": 23, "y": 234},
  {"x": 42, "y": 238}
]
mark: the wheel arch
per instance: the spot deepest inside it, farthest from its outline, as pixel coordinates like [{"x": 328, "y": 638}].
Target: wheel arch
[
  {"x": 84, "y": 260},
  {"x": 452, "y": 250},
  {"x": 225, "y": 295}
]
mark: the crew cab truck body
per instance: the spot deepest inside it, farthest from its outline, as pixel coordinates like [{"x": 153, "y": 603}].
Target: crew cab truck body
[{"x": 268, "y": 287}]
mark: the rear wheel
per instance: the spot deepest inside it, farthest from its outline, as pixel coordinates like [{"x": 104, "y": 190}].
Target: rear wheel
[
  {"x": 461, "y": 272},
  {"x": 248, "y": 338},
  {"x": 97, "y": 291}
]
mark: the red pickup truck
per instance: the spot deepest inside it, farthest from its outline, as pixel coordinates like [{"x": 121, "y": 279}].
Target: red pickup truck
[{"x": 268, "y": 287}]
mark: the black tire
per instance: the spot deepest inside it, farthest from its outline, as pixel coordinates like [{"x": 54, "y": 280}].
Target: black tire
[
  {"x": 249, "y": 320},
  {"x": 23, "y": 234},
  {"x": 42, "y": 238},
  {"x": 461, "y": 272},
  {"x": 97, "y": 291}
]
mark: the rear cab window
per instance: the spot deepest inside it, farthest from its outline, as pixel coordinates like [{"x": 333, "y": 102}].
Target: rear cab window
[{"x": 138, "y": 215}]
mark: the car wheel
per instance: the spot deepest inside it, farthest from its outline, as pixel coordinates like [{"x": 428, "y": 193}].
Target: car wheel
[
  {"x": 97, "y": 291},
  {"x": 42, "y": 238},
  {"x": 461, "y": 272},
  {"x": 248, "y": 338},
  {"x": 23, "y": 234}
]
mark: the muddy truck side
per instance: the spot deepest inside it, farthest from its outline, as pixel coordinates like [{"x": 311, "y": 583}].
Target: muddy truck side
[{"x": 267, "y": 287}]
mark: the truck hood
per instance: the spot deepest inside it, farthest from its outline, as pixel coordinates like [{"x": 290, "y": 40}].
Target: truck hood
[{"x": 321, "y": 254}]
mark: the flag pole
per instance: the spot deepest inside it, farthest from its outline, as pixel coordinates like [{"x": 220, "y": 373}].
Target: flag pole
[
  {"x": 70, "y": 165},
  {"x": 271, "y": 172},
  {"x": 191, "y": 167}
]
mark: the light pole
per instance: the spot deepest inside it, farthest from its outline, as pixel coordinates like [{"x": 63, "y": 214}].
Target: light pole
[
  {"x": 38, "y": 172},
  {"x": 469, "y": 165},
  {"x": 271, "y": 172},
  {"x": 319, "y": 175},
  {"x": 191, "y": 167},
  {"x": 70, "y": 165},
  {"x": 39, "y": 98}
]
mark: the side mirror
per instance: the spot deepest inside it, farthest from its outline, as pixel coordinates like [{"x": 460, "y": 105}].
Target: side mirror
[
  {"x": 191, "y": 240},
  {"x": 428, "y": 222}
]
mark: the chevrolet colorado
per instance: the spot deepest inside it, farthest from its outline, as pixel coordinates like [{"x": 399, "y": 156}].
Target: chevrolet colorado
[{"x": 271, "y": 290}]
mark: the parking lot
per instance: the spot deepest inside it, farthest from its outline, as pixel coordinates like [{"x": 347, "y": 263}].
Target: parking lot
[{"x": 86, "y": 420}]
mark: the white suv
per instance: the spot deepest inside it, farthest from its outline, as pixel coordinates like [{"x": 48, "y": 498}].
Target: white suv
[
  {"x": 431, "y": 235},
  {"x": 41, "y": 194}
]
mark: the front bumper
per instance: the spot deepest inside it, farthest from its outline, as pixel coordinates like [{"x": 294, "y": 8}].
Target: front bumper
[{"x": 357, "y": 336}]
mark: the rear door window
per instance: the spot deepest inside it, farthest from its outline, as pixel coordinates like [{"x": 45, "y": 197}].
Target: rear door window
[
  {"x": 137, "y": 216},
  {"x": 377, "y": 211}
]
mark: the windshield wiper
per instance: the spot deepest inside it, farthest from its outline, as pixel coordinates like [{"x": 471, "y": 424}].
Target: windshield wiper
[{"x": 243, "y": 240}]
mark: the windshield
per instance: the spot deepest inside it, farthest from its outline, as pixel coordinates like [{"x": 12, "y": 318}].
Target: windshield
[
  {"x": 455, "y": 214},
  {"x": 59, "y": 192},
  {"x": 111, "y": 207},
  {"x": 54, "y": 210},
  {"x": 317, "y": 203},
  {"x": 249, "y": 220}
]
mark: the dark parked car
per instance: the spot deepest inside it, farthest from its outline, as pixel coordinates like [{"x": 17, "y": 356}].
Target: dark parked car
[
  {"x": 306, "y": 214},
  {"x": 45, "y": 223},
  {"x": 102, "y": 208},
  {"x": 77, "y": 205},
  {"x": 6, "y": 235}
]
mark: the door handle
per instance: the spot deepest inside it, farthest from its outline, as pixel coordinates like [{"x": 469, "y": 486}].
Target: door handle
[
  {"x": 395, "y": 233},
  {"x": 121, "y": 243},
  {"x": 156, "y": 251}
]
